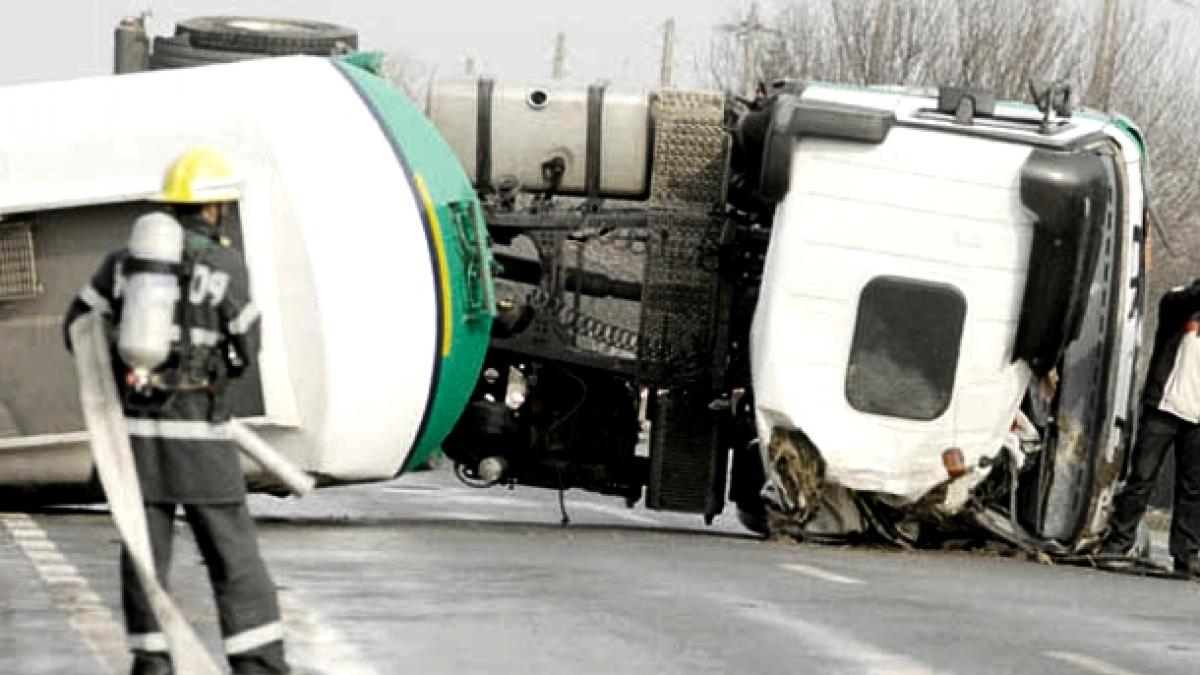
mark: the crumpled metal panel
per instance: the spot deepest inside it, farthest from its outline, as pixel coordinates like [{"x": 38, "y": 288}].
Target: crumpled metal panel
[{"x": 1082, "y": 467}]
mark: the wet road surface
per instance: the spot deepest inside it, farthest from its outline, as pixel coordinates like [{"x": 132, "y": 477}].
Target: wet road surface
[{"x": 423, "y": 575}]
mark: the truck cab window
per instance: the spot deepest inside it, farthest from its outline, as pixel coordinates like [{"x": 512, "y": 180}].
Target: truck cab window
[{"x": 905, "y": 351}]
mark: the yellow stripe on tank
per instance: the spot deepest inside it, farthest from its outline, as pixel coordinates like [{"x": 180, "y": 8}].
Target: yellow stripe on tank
[{"x": 443, "y": 266}]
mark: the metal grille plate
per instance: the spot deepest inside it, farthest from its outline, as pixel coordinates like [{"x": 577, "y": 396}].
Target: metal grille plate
[
  {"x": 18, "y": 270},
  {"x": 691, "y": 149},
  {"x": 679, "y": 297},
  {"x": 680, "y": 300},
  {"x": 691, "y": 156}
]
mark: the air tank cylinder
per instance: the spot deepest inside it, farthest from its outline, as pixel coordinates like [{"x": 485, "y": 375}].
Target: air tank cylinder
[{"x": 150, "y": 296}]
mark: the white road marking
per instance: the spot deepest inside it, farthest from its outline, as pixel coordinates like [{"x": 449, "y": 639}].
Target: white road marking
[
  {"x": 72, "y": 595},
  {"x": 47, "y": 556},
  {"x": 39, "y": 546},
  {"x": 818, "y": 573},
  {"x": 312, "y": 643},
  {"x": 60, "y": 569},
  {"x": 1089, "y": 663},
  {"x": 835, "y": 646}
]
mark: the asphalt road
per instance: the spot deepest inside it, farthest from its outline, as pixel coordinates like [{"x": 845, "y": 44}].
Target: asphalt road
[{"x": 423, "y": 575}]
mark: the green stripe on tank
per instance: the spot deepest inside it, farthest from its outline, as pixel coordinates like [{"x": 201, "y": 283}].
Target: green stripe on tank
[{"x": 460, "y": 224}]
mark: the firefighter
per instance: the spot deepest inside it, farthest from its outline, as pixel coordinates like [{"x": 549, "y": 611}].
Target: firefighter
[
  {"x": 1170, "y": 417},
  {"x": 177, "y": 422}
]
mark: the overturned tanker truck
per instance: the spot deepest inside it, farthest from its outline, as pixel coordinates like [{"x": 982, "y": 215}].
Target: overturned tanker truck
[
  {"x": 850, "y": 311},
  {"x": 363, "y": 239}
]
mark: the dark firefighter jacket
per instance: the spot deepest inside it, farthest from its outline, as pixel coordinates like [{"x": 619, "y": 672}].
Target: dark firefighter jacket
[
  {"x": 1177, "y": 307},
  {"x": 182, "y": 447}
]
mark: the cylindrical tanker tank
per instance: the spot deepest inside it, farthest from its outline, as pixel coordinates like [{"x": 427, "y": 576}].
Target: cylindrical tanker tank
[
  {"x": 363, "y": 239},
  {"x": 507, "y": 133}
]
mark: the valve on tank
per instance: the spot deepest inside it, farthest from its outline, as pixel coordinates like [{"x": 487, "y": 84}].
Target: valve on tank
[{"x": 151, "y": 294}]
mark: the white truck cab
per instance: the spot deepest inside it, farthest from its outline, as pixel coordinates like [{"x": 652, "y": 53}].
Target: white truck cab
[{"x": 953, "y": 289}]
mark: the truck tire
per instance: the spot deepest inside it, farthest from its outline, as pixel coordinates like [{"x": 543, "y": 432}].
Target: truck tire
[
  {"x": 268, "y": 36},
  {"x": 745, "y": 489},
  {"x": 176, "y": 52},
  {"x": 754, "y": 519}
]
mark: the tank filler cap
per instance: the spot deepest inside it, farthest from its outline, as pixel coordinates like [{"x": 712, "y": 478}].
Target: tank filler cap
[{"x": 538, "y": 98}]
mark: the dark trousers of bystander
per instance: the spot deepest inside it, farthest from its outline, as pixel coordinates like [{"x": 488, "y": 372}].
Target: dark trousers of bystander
[{"x": 1157, "y": 433}]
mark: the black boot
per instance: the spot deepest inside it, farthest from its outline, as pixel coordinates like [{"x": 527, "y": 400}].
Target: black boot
[
  {"x": 1114, "y": 548},
  {"x": 267, "y": 660},
  {"x": 1189, "y": 566},
  {"x": 151, "y": 663}
]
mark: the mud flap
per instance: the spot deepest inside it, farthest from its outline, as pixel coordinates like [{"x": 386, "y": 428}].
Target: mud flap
[{"x": 114, "y": 463}]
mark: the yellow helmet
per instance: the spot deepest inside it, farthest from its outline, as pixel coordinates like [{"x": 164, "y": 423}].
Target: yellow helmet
[{"x": 199, "y": 176}]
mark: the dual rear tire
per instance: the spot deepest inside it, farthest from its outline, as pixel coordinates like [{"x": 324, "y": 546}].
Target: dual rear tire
[{"x": 222, "y": 39}]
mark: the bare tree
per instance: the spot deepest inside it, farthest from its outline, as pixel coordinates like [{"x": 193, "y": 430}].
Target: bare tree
[
  {"x": 1119, "y": 56},
  {"x": 410, "y": 76}
]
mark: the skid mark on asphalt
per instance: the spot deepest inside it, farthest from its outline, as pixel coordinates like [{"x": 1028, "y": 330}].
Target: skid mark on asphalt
[
  {"x": 818, "y": 573},
  {"x": 1090, "y": 664},
  {"x": 481, "y": 500},
  {"x": 465, "y": 516},
  {"x": 313, "y": 643},
  {"x": 72, "y": 594},
  {"x": 854, "y": 655},
  {"x": 613, "y": 512},
  {"x": 474, "y": 500}
]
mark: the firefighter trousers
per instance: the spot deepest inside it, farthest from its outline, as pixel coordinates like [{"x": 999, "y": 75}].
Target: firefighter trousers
[
  {"x": 247, "y": 605},
  {"x": 1157, "y": 433}
]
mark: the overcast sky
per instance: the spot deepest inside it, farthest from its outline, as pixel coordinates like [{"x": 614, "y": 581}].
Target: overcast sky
[{"x": 514, "y": 39}]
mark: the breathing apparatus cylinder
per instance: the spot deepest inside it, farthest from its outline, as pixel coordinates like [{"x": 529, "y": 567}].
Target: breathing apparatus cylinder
[{"x": 151, "y": 293}]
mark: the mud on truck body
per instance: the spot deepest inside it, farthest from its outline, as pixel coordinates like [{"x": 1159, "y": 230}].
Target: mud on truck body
[{"x": 850, "y": 311}]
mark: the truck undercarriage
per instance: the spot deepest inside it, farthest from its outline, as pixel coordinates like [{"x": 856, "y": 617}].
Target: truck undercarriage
[{"x": 620, "y": 362}]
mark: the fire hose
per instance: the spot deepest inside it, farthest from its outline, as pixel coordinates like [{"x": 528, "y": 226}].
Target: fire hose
[{"x": 113, "y": 456}]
